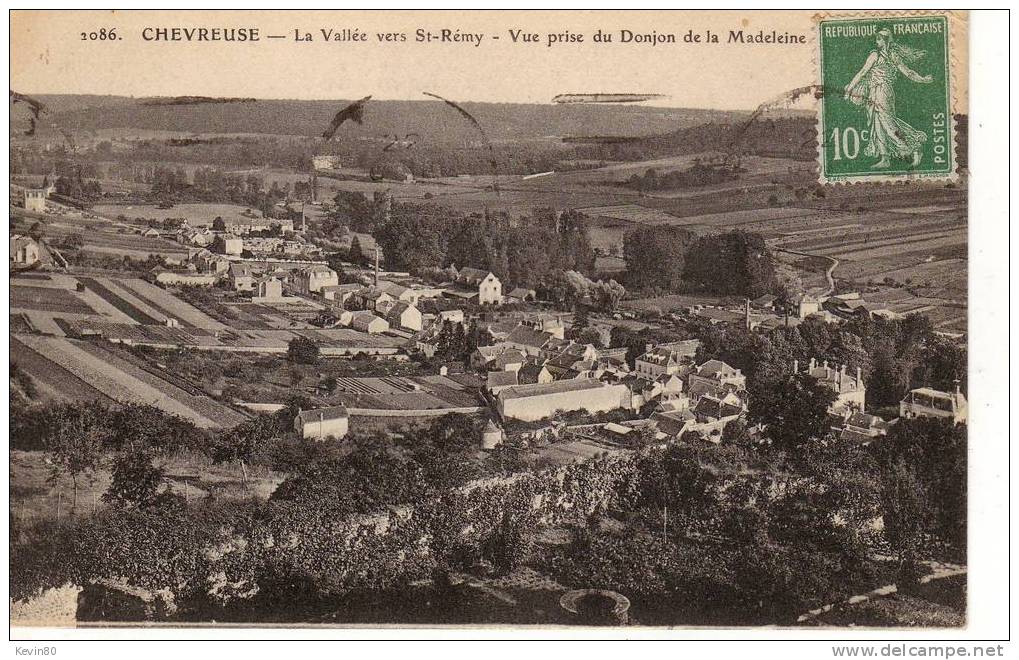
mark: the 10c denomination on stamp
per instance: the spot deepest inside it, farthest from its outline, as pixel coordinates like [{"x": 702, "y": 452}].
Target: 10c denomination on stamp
[{"x": 886, "y": 104}]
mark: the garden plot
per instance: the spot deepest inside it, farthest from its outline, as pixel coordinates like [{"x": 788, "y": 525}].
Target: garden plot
[
  {"x": 171, "y": 305},
  {"x": 194, "y": 399},
  {"x": 115, "y": 382},
  {"x": 137, "y": 311},
  {"x": 54, "y": 381},
  {"x": 47, "y": 299},
  {"x": 921, "y": 244},
  {"x": 630, "y": 213}
]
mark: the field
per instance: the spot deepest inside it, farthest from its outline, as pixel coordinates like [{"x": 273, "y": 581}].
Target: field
[
  {"x": 113, "y": 376},
  {"x": 196, "y": 214},
  {"x": 100, "y": 237}
]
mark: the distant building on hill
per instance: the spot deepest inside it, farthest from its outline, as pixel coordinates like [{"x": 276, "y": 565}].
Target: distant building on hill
[{"x": 35, "y": 199}]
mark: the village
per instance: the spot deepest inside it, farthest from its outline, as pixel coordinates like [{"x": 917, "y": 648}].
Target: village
[
  {"x": 525, "y": 375},
  {"x": 346, "y": 381}
]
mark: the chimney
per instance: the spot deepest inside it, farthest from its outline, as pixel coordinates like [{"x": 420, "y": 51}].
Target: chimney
[
  {"x": 376, "y": 265},
  {"x": 859, "y": 378},
  {"x": 813, "y": 363},
  {"x": 796, "y": 366},
  {"x": 748, "y": 313}
]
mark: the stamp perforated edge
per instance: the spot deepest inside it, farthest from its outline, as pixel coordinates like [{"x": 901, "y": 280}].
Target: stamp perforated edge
[{"x": 952, "y": 21}]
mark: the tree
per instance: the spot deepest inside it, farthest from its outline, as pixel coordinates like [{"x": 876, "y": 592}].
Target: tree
[
  {"x": 302, "y": 350},
  {"x": 655, "y": 256},
  {"x": 793, "y": 410},
  {"x": 607, "y": 295},
  {"x": 218, "y": 224},
  {"x": 734, "y": 263},
  {"x": 135, "y": 480},
  {"x": 75, "y": 436}
]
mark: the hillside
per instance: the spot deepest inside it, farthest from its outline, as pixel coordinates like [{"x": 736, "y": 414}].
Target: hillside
[{"x": 501, "y": 121}]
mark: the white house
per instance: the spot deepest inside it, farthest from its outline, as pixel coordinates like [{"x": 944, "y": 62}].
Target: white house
[
  {"x": 928, "y": 402},
  {"x": 850, "y": 392},
  {"x": 24, "y": 250},
  {"x": 322, "y": 423},
  {"x": 241, "y": 277},
  {"x": 487, "y": 285},
  {"x": 405, "y": 315},
  {"x": 269, "y": 289},
  {"x": 365, "y": 321},
  {"x": 538, "y": 401},
  {"x": 35, "y": 199},
  {"x": 311, "y": 279},
  {"x": 226, "y": 244}
]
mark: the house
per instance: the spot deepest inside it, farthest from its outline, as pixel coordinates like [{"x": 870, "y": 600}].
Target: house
[
  {"x": 322, "y": 423},
  {"x": 534, "y": 372},
  {"x": 364, "y": 248},
  {"x": 528, "y": 340},
  {"x": 365, "y": 321},
  {"x": 521, "y": 295},
  {"x": 405, "y": 315},
  {"x": 311, "y": 279},
  {"x": 451, "y": 315},
  {"x": 399, "y": 292},
  {"x": 226, "y": 244},
  {"x": 35, "y": 199},
  {"x": 928, "y": 402},
  {"x": 339, "y": 293},
  {"x": 807, "y": 305},
  {"x": 200, "y": 237},
  {"x": 497, "y": 357},
  {"x": 492, "y": 435},
  {"x": 666, "y": 358},
  {"x": 850, "y": 392},
  {"x": 714, "y": 378},
  {"x": 24, "y": 250},
  {"x": 325, "y": 162},
  {"x": 269, "y": 289},
  {"x": 550, "y": 324},
  {"x": 482, "y": 282},
  {"x": 208, "y": 262},
  {"x": 863, "y": 428},
  {"x": 496, "y": 381},
  {"x": 538, "y": 401},
  {"x": 372, "y": 299},
  {"x": 241, "y": 277}
]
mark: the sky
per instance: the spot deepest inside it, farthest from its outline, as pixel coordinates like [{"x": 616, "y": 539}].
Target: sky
[
  {"x": 52, "y": 52},
  {"x": 48, "y": 55}
]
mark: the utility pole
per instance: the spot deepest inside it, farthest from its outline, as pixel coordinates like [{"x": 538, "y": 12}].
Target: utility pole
[{"x": 665, "y": 521}]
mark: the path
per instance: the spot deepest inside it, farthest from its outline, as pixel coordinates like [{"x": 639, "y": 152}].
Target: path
[{"x": 828, "y": 274}]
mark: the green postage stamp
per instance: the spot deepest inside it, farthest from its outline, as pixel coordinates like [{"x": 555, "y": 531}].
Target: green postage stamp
[{"x": 885, "y": 112}]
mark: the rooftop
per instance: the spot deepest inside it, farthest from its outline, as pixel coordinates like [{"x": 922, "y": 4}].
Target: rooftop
[
  {"x": 322, "y": 414},
  {"x": 557, "y": 387}
]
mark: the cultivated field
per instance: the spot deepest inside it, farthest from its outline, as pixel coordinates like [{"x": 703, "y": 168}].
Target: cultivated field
[{"x": 114, "y": 377}]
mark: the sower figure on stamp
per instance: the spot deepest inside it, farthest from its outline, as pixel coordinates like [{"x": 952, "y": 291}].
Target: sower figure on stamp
[{"x": 874, "y": 87}]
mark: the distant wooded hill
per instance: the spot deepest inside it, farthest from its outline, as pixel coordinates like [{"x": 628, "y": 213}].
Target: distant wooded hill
[{"x": 433, "y": 120}]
